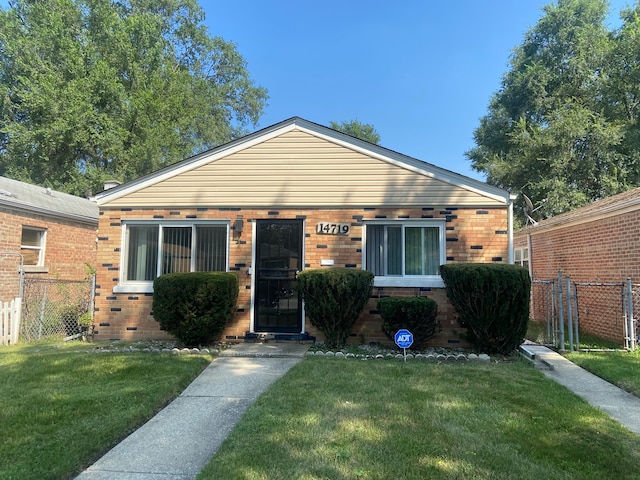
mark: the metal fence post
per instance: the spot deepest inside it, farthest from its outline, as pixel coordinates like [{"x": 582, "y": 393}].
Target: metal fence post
[
  {"x": 631, "y": 334},
  {"x": 569, "y": 318},
  {"x": 560, "y": 311},
  {"x": 576, "y": 320}
]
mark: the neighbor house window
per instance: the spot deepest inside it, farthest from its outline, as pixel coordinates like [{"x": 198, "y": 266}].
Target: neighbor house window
[
  {"x": 153, "y": 249},
  {"x": 32, "y": 246},
  {"x": 407, "y": 253},
  {"x": 521, "y": 257}
]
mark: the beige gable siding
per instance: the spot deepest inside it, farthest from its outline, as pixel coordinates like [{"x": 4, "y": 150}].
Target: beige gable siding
[{"x": 297, "y": 169}]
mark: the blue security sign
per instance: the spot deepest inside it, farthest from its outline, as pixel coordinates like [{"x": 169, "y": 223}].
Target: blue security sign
[{"x": 403, "y": 338}]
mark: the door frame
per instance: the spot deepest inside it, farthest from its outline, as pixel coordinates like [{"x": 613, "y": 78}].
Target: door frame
[{"x": 253, "y": 269}]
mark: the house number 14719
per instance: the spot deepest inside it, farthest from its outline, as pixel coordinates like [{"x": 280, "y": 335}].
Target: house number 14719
[{"x": 333, "y": 228}]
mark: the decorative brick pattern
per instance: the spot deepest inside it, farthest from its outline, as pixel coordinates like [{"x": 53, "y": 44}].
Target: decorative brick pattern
[{"x": 469, "y": 228}]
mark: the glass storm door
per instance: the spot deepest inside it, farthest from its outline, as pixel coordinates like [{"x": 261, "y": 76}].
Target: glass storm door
[{"x": 278, "y": 307}]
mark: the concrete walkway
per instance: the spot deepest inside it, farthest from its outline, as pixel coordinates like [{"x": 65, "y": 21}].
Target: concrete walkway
[
  {"x": 179, "y": 441},
  {"x": 620, "y": 405}
]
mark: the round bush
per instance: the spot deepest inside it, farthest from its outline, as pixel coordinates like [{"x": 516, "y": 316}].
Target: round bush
[
  {"x": 334, "y": 299},
  {"x": 419, "y": 315},
  {"x": 195, "y": 307}
]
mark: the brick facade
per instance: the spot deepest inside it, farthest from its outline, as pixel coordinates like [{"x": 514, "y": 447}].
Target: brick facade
[
  {"x": 70, "y": 246},
  {"x": 472, "y": 235},
  {"x": 597, "y": 247},
  {"x": 604, "y": 250}
]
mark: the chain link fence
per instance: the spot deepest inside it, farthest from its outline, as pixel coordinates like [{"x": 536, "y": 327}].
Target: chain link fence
[
  {"x": 55, "y": 308},
  {"x": 567, "y": 308}
]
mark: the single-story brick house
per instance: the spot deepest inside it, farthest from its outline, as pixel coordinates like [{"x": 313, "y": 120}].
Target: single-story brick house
[
  {"x": 289, "y": 197},
  {"x": 43, "y": 232},
  {"x": 598, "y": 244}
]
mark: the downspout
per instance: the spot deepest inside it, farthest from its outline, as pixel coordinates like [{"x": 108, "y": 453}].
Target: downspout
[
  {"x": 510, "y": 227},
  {"x": 530, "y": 255}
]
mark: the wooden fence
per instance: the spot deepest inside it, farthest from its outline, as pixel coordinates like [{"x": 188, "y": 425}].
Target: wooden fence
[{"x": 10, "y": 313}]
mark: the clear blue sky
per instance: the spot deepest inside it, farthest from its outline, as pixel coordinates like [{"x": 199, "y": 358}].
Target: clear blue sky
[{"x": 421, "y": 72}]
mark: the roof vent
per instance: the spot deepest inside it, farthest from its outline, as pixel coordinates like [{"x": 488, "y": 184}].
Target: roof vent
[{"x": 109, "y": 184}]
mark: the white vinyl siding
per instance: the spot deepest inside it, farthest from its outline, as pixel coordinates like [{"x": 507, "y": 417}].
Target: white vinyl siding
[
  {"x": 152, "y": 249},
  {"x": 297, "y": 169},
  {"x": 405, "y": 253}
]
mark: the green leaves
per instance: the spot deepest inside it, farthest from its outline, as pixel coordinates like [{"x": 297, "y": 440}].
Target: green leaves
[
  {"x": 363, "y": 131},
  {"x": 97, "y": 90},
  {"x": 563, "y": 126}
]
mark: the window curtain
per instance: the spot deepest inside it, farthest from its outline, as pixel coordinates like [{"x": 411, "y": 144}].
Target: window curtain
[
  {"x": 384, "y": 249},
  {"x": 422, "y": 251},
  {"x": 143, "y": 253}
]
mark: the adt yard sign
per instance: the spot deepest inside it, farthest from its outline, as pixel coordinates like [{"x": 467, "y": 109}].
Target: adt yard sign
[{"x": 404, "y": 338}]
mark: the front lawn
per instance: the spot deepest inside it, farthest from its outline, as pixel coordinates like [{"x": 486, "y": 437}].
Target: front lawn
[
  {"x": 334, "y": 418},
  {"x": 620, "y": 368},
  {"x": 61, "y": 408}
]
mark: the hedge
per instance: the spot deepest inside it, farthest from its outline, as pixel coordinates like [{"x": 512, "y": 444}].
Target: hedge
[
  {"x": 491, "y": 301},
  {"x": 334, "y": 299},
  {"x": 195, "y": 307}
]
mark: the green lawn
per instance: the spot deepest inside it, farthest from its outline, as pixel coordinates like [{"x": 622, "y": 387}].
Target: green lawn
[
  {"x": 620, "y": 368},
  {"x": 61, "y": 408},
  {"x": 380, "y": 419}
]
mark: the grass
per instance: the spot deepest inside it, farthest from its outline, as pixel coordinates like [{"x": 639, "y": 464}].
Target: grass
[
  {"x": 347, "y": 419},
  {"x": 537, "y": 332},
  {"x": 620, "y": 368},
  {"x": 62, "y": 408},
  {"x": 617, "y": 366}
]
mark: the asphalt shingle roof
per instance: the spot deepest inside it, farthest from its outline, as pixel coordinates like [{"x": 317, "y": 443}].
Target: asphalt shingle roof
[{"x": 24, "y": 196}]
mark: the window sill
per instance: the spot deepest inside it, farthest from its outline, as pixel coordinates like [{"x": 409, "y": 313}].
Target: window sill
[
  {"x": 139, "y": 288},
  {"x": 34, "y": 269},
  {"x": 432, "y": 282}
]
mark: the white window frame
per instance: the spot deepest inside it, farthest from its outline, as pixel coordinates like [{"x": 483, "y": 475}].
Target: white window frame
[
  {"x": 434, "y": 281},
  {"x": 41, "y": 248},
  {"x": 146, "y": 286}
]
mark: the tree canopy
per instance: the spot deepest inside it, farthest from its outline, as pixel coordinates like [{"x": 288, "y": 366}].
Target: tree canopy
[
  {"x": 363, "y": 131},
  {"x": 95, "y": 90},
  {"x": 563, "y": 127}
]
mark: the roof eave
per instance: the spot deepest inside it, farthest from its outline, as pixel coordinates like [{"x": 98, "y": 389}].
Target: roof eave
[{"x": 50, "y": 213}]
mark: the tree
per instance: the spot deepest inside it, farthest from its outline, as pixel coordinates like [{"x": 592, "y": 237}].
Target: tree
[
  {"x": 556, "y": 130},
  {"x": 95, "y": 89},
  {"x": 363, "y": 131}
]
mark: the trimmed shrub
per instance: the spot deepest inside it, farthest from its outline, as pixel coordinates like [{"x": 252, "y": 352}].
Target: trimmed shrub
[
  {"x": 416, "y": 314},
  {"x": 492, "y": 303},
  {"x": 334, "y": 299},
  {"x": 196, "y": 306}
]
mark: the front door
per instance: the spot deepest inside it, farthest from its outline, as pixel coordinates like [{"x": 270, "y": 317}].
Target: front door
[{"x": 278, "y": 307}]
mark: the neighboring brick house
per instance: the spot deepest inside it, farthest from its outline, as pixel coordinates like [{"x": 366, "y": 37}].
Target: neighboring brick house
[
  {"x": 598, "y": 243},
  {"x": 49, "y": 233},
  {"x": 292, "y": 196}
]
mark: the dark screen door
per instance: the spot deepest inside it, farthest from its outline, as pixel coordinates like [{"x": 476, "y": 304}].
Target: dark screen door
[{"x": 278, "y": 308}]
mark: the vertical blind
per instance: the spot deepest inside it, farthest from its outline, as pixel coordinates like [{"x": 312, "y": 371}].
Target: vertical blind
[
  {"x": 142, "y": 251},
  {"x": 178, "y": 249},
  {"x": 385, "y": 250},
  {"x": 211, "y": 248}
]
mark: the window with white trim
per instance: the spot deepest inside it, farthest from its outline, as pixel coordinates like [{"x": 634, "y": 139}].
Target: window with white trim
[
  {"x": 405, "y": 253},
  {"x": 151, "y": 249},
  {"x": 32, "y": 246},
  {"x": 521, "y": 257}
]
